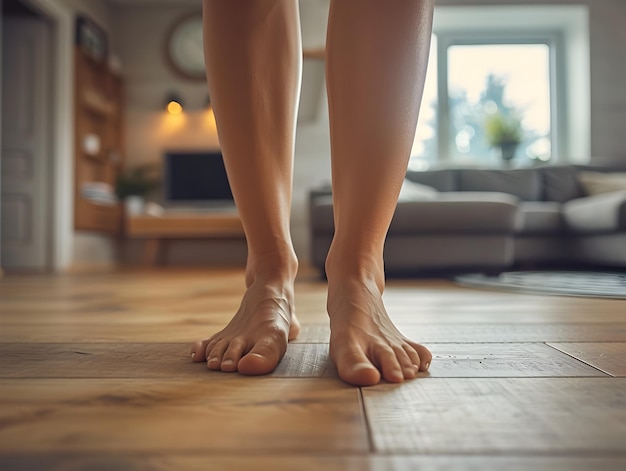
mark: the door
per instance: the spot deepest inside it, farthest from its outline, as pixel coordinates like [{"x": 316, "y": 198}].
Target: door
[{"x": 26, "y": 151}]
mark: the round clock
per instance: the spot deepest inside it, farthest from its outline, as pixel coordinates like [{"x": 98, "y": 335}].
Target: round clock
[{"x": 184, "y": 48}]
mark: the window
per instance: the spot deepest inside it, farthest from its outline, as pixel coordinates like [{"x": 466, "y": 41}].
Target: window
[
  {"x": 533, "y": 59},
  {"x": 474, "y": 80}
]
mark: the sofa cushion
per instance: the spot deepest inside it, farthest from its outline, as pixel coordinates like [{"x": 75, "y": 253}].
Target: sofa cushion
[
  {"x": 442, "y": 180},
  {"x": 596, "y": 183},
  {"x": 540, "y": 218},
  {"x": 560, "y": 183},
  {"x": 462, "y": 212},
  {"x": 525, "y": 184},
  {"x": 596, "y": 214}
]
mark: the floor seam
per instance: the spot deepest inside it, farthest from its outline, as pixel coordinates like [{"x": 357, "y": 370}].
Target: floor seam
[{"x": 368, "y": 429}]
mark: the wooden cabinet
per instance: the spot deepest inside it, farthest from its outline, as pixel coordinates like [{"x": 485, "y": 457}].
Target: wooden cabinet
[
  {"x": 99, "y": 104},
  {"x": 158, "y": 230}
]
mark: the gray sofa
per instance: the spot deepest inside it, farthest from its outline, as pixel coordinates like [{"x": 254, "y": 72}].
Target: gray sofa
[{"x": 492, "y": 220}]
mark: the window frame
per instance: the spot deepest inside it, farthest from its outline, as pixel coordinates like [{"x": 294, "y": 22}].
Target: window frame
[{"x": 558, "y": 87}]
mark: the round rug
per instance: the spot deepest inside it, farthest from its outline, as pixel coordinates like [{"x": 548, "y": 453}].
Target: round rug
[{"x": 564, "y": 283}]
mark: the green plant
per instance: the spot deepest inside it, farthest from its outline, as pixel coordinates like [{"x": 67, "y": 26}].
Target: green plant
[
  {"x": 503, "y": 131},
  {"x": 136, "y": 181}
]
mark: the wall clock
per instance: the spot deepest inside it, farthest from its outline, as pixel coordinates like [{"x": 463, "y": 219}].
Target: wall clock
[{"x": 184, "y": 50}]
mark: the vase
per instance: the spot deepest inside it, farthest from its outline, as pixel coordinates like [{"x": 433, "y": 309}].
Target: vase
[
  {"x": 134, "y": 205},
  {"x": 507, "y": 151}
]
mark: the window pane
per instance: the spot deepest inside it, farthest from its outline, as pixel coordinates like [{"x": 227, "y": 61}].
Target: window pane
[
  {"x": 424, "y": 151},
  {"x": 510, "y": 82}
]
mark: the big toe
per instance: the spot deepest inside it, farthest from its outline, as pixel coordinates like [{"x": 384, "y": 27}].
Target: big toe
[
  {"x": 262, "y": 359},
  {"x": 356, "y": 369}
]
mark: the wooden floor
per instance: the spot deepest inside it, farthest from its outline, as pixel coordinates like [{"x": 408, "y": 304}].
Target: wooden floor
[{"x": 95, "y": 374}]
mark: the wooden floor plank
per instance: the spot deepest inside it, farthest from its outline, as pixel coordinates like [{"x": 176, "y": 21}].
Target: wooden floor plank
[
  {"x": 306, "y": 360},
  {"x": 513, "y": 360},
  {"x": 525, "y": 416},
  {"x": 267, "y": 415},
  {"x": 161, "y": 462},
  {"x": 118, "y": 332},
  {"x": 608, "y": 357},
  {"x": 170, "y": 360},
  {"x": 488, "y": 333},
  {"x": 140, "y": 360}
]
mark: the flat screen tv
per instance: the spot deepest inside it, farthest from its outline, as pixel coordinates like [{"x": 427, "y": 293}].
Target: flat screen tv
[{"x": 196, "y": 178}]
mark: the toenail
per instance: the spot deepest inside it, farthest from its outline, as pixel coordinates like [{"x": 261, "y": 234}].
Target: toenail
[
  {"x": 192, "y": 355},
  {"x": 227, "y": 363},
  {"x": 426, "y": 366},
  {"x": 362, "y": 366},
  {"x": 213, "y": 359}
]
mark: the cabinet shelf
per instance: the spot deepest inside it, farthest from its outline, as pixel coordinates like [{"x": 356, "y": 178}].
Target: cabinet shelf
[{"x": 99, "y": 103}]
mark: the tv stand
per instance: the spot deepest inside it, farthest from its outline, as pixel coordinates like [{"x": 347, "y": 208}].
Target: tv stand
[{"x": 157, "y": 231}]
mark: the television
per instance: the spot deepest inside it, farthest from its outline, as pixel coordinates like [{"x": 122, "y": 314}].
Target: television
[{"x": 196, "y": 179}]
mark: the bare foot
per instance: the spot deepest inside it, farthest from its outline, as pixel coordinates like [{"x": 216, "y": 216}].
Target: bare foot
[
  {"x": 364, "y": 342},
  {"x": 255, "y": 340}
]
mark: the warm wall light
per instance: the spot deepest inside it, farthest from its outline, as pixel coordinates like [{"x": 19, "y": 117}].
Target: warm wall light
[{"x": 173, "y": 104}]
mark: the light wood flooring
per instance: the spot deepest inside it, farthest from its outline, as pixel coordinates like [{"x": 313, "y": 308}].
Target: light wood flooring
[{"x": 95, "y": 374}]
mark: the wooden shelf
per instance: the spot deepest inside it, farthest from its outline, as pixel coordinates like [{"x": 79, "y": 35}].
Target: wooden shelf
[
  {"x": 96, "y": 217},
  {"x": 99, "y": 104}
]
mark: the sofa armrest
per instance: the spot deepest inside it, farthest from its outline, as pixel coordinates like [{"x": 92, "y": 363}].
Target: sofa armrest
[{"x": 596, "y": 214}]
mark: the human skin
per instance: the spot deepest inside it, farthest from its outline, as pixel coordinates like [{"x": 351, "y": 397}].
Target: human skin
[{"x": 375, "y": 68}]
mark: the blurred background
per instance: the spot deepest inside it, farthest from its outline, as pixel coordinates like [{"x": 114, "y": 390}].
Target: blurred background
[{"x": 106, "y": 119}]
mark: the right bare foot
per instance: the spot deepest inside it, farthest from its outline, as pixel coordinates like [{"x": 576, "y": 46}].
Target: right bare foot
[{"x": 255, "y": 340}]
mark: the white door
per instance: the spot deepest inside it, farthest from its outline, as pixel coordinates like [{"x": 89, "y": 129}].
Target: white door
[{"x": 26, "y": 151}]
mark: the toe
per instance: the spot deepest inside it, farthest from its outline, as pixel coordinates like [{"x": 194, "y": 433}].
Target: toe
[
  {"x": 386, "y": 359},
  {"x": 198, "y": 350},
  {"x": 355, "y": 368},
  {"x": 233, "y": 353},
  {"x": 413, "y": 356},
  {"x": 215, "y": 354},
  {"x": 408, "y": 369},
  {"x": 294, "y": 328},
  {"x": 262, "y": 359},
  {"x": 424, "y": 355}
]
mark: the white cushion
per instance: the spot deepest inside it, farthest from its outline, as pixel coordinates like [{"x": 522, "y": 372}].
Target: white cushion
[
  {"x": 412, "y": 191},
  {"x": 596, "y": 183}
]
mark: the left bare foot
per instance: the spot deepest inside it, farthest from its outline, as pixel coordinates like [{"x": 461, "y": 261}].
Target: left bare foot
[{"x": 364, "y": 342}]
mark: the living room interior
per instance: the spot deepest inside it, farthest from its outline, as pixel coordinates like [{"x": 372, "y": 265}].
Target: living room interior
[{"x": 121, "y": 245}]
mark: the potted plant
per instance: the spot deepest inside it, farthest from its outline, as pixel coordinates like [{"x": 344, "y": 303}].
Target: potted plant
[
  {"x": 504, "y": 133},
  {"x": 132, "y": 186}
]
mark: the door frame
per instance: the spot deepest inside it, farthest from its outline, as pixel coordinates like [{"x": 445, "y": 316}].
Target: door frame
[{"x": 61, "y": 222}]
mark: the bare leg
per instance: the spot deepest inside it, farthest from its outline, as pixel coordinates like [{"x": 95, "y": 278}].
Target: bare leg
[
  {"x": 254, "y": 65},
  {"x": 376, "y": 64}
]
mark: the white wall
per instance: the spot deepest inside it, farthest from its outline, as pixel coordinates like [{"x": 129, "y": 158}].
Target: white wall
[{"x": 139, "y": 33}]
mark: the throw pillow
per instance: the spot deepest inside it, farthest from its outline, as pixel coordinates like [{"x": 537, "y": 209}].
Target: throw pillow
[
  {"x": 596, "y": 183},
  {"x": 412, "y": 191}
]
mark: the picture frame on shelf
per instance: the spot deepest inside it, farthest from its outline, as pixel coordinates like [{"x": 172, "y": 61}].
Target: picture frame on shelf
[{"x": 91, "y": 38}]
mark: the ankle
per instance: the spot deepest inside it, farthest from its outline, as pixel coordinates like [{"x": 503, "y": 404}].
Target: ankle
[
  {"x": 272, "y": 266},
  {"x": 346, "y": 267}
]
